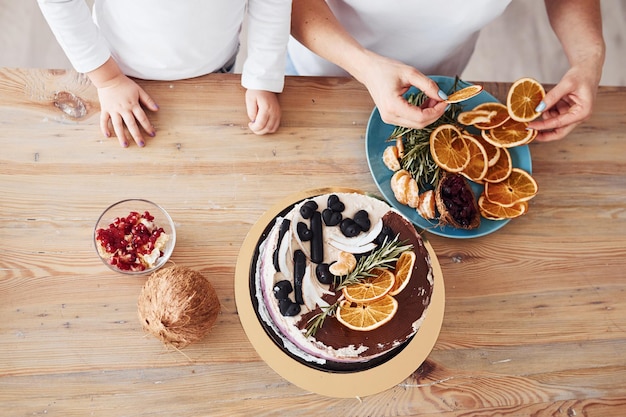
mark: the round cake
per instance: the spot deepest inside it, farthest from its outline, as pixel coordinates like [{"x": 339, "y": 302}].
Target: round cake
[{"x": 311, "y": 263}]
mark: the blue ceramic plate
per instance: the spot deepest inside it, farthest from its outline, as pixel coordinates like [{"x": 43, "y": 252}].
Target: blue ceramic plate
[{"x": 376, "y": 142}]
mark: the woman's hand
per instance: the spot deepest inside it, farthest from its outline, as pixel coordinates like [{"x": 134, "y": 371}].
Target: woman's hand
[
  {"x": 388, "y": 80},
  {"x": 314, "y": 25},
  {"x": 567, "y": 105},
  {"x": 578, "y": 25}
]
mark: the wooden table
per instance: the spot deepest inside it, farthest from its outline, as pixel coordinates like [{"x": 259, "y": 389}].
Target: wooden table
[{"x": 535, "y": 320}]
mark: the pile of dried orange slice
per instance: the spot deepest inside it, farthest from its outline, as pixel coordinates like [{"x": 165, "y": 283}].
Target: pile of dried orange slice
[
  {"x": 485, "y": 158},
  {"x": 507, "y": 189},
  {"x": 369, "y": 303}
]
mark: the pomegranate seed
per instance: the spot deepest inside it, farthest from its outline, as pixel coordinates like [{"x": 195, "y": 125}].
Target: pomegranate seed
[{"x": 127, "y": 237}]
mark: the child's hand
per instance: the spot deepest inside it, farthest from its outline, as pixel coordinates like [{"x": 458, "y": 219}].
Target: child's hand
[
  {"x": 263, "y": 110},
  {"x": 120, "y": 102}
]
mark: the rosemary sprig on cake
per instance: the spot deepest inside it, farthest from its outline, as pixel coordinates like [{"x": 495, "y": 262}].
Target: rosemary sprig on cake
[
  {"x": 382, "y": 257},
  {"x": 317, "y": 321}
]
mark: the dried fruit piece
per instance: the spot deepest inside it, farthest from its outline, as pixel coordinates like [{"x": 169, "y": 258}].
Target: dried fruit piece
[
  {"x": 391, "y": 159},
  {"x": 493, "y": 211},
  {"x": 472, "y": 117},
  {"x": 371, "y": 288},
  {"x": 448, "y": 148},
  {"x": 400, "y": 147},
  {"x": 403, "y": 271},
  {"x": 399, "y": 185},
  {"x": 501, "y": 169},
  {"x": 464, "y": 94},
  {"x": 501, "y": 115},
  {"x": 517, "y": 187},
  {"x": 511, "y": 133},
  {"x": 345, "y": 264},
  {"x": 523, "y": 98},
  {"x": 413, "y": 193},
  {"x": 456, "y": 202},
  {"x": 493, "y": 152},
  {"x": 366, "y": 316},
  {"x": 477, "y": 167},
  {"x": 426, "y": 206}
]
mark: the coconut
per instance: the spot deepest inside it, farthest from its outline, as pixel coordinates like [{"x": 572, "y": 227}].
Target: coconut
[{"x": 178, "y": 305}]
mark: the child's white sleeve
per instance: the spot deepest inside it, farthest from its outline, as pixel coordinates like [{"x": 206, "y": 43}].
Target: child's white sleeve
[
  {"x": 75, "y": 31},
  {"x": 269, "y": 23}
]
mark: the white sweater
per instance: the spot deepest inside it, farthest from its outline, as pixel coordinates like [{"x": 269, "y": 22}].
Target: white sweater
[
  {"x": 435, "y": 36},
  {"x": 174, "y": 39}
]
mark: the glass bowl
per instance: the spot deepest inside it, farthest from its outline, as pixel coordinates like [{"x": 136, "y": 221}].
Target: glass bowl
[{"x": 134, "y": 236}]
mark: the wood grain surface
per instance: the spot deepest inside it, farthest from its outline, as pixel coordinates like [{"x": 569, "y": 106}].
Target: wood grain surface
[{"x": 535, "y": 320}]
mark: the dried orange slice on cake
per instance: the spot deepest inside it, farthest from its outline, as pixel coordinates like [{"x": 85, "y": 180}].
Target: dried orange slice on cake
[
  {"x": 473, "y": 117},
  {"x": 371, "y": 288},
  {"x": 448, "y": 148},
  {"x": 517, "y": 187},
  {"x": 464, "y": 94},
  {"x": 524, "y": 96},
  {"x": 404, "y": 268},
  {"x": 366, "y": 316}
]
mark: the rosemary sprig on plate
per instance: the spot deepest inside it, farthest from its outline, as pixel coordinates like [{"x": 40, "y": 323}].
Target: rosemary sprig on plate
[{"x": 417, "y": 158}]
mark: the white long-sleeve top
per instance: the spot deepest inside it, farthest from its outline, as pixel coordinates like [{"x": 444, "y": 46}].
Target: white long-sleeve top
[
  {"x": 436, "y": 37},
  {"x": 174, "y": 39}
]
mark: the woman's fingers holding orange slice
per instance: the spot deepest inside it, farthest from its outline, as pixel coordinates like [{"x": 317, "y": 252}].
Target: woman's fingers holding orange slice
[
  {"x": 524, "y": 98},
  {"x": 464, "y": 94}
]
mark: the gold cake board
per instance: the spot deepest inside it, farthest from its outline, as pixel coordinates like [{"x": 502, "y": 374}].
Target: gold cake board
[{"x": 333, "y": 384}]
